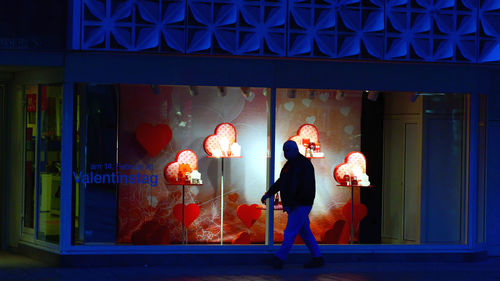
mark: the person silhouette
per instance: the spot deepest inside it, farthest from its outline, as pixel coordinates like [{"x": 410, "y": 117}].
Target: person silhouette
[{"x": 297, "y": 186}]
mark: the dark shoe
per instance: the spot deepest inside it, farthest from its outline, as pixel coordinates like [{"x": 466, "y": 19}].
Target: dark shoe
[
  {"x": 315, "y": 263},
  {"x": 277, "y": 263}
]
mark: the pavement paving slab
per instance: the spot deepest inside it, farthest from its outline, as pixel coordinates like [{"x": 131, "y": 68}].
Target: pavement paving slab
[{"x": 20, "y": 268}]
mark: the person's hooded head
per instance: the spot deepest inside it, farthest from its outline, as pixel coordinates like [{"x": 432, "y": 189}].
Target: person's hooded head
[{"x": 290, "y": 150}]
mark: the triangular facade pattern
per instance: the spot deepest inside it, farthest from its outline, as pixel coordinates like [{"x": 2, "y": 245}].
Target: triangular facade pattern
[{"x": 397, "y": 30}]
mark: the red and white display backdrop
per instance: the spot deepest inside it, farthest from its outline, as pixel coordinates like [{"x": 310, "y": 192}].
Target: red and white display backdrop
[
  {"x": 338, "y": 118},
  {"x": 146, "y": 214}
]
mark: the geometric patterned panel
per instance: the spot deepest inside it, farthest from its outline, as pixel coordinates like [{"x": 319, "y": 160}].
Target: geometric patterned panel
[
  {"x": 395, "y": 30},
  {"x": 336, "y": 28},
  {"x": 489, "y": 46},
  {"x": 236, "y": 27},
  {"x": 134, "y": 25},
  {"x": 431, "y": 30}
]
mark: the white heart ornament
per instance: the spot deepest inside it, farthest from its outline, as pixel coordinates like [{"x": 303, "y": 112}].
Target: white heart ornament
[
  {"x": 349, "y": 129},
  {"x": 345, "y": 110},
  {"x": 306, "y": 102},
  {"x": 250, "y": 97},
  {"x": 289, "y": 106},
  {"x": 310, "y": 119},
  {"x": 324, "y": 96}
]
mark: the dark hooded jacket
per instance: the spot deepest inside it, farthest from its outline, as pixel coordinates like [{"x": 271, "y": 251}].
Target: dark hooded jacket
[{"x": 296, "y": 184}]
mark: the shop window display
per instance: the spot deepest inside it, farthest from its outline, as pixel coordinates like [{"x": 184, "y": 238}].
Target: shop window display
[
  {"x": 326, "y": 126},
  {"x": 158, "y": 165},
  {"x": 381, "y": 175},
  {"x": 180, "y": 182}
]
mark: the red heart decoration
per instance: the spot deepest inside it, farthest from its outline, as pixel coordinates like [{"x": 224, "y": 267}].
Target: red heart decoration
[
  {"x": 171, "y": 170},
  {"x": 226, "y": 130},
  {"x": 332, "y": 236},
  {"x": 191, "y": 212},
  {"x": 353, "y": 159},
  {"x": 242, "y": 238},
  {"x": 306, "y": 131},
  {"x": 360, "y": 211},
  {"x": 248, "y": 214},
  {"x": 153, "y": 138}
]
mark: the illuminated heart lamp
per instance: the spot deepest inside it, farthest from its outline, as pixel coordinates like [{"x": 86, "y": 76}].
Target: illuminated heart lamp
[
  {"x": 308, "y": 132},
  {"x": 185, "y": 161},
  {"x": 223, "y": 142},
  {"x": 354, "y": 165}
]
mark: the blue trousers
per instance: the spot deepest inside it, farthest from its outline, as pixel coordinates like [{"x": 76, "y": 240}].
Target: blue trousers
[{"x": 298, "y": 223}]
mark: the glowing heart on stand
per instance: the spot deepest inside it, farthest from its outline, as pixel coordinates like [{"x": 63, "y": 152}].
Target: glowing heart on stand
[
  {"x": 185, "y": 156},
  {"x": 353, "y": 161},
  {"x": 306, "y": 131},
  {"x": 223, "y": 133}
]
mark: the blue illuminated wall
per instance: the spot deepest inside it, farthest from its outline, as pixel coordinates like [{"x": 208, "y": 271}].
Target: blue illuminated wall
[{"x": 402, "y": 30}]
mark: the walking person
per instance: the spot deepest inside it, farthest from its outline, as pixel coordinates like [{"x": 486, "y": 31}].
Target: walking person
[{"x": 297, "y": 187}]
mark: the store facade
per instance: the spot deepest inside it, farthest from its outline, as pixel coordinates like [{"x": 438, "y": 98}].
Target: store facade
[
  {"x": 118, "y": 132},
  {"x": 348, "y": 125}
]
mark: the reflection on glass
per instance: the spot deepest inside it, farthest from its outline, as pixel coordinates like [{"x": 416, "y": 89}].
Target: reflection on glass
[
  {"x": 77, "y": 147},
  {"x": 96, "y": 151},
  {"x": 49, "y": 155},
  {"x": 31, "y": 94}
]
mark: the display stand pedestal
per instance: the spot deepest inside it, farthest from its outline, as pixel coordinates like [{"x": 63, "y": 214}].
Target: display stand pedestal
[
  {"x": 222, "y": 195},
  {"x": 351, "y": 239},
  {"x": 184, "y": 238},
  {"x": 184, "y": 232},
  {"x": 222, "y": 202}
]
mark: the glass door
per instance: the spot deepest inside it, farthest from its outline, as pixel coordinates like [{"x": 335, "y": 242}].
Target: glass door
[
  {"x": 42, "y": 157},
  {"x": 49, "y": 164},
  {"x": 31, "y": 133}
]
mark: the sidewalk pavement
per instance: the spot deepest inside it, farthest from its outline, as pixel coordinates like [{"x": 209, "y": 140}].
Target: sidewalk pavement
[{"x": 20, "y": 268}]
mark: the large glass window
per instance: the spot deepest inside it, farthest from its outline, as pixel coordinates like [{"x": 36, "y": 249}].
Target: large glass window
[
  {"x": 394, "y": 162},
  {"x": 142, "y": 151},
  {"x": 188, "y": 164},
  {"x": 331, "y": 122}
]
